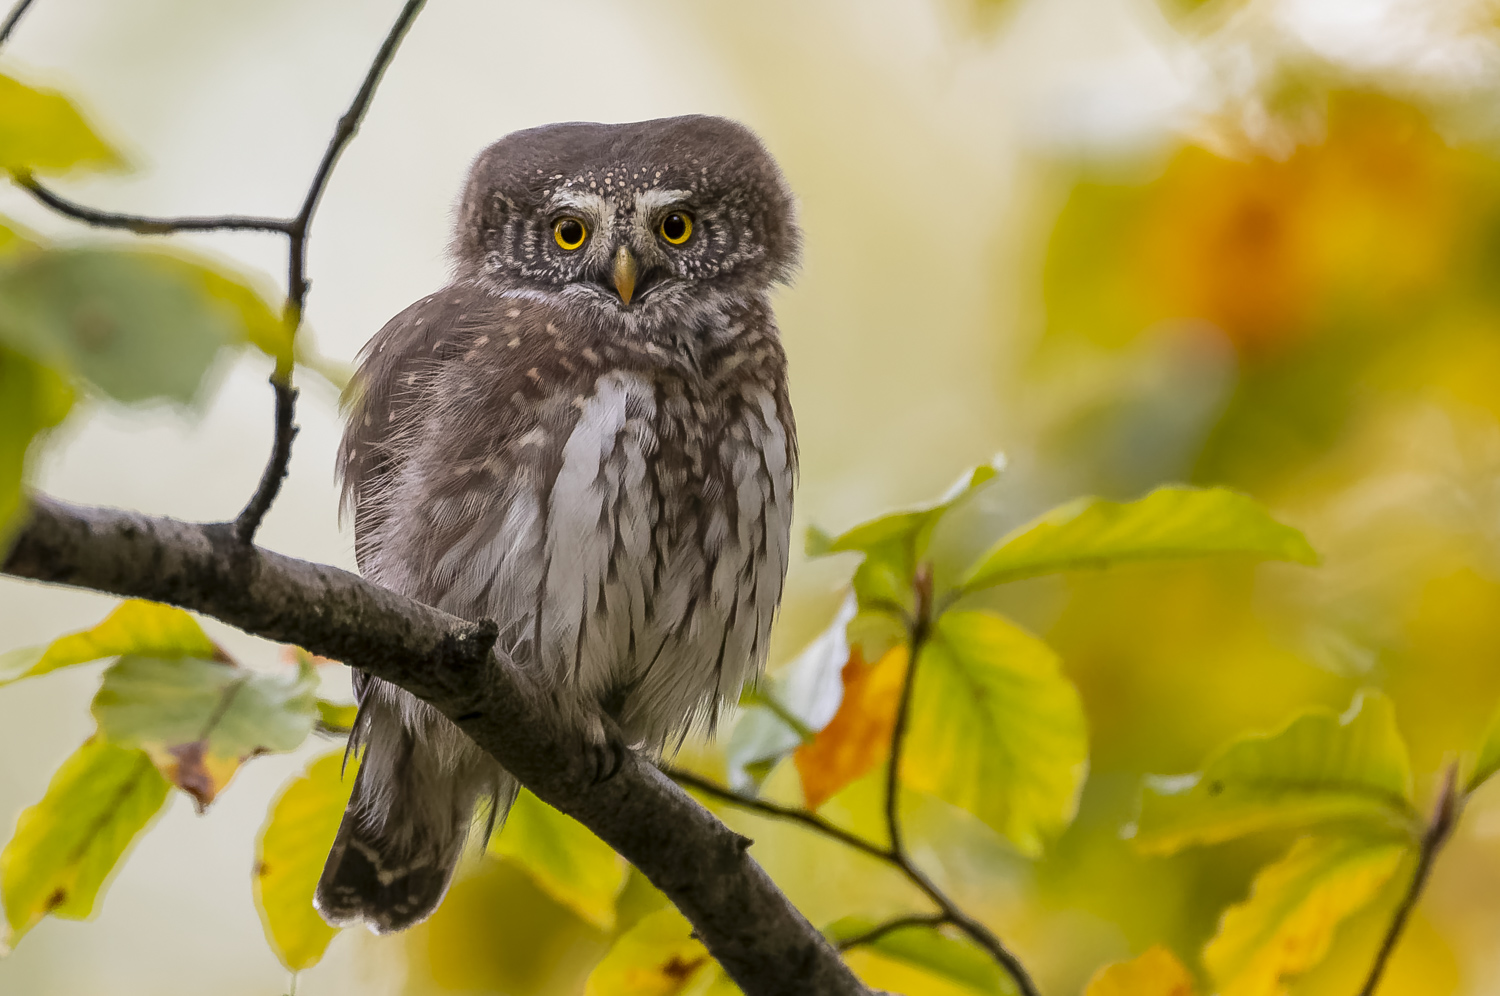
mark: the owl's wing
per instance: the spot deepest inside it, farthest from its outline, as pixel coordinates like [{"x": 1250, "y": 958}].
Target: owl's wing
[{"x": 457, "y": 417}]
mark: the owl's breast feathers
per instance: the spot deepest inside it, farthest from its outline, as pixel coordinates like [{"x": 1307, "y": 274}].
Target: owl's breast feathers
[{"x": 619, "y": 503}]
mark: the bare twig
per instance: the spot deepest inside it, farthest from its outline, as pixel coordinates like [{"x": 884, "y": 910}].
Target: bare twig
[
  {"x": 933, "y": 920},
  {"x": 143, "y": 225},
  {"x": 248, "y": 521},
  {"x": 756, "y": 934},
  {"x": 1445, "y": 814},
  {"x": 14, "y": 16}
]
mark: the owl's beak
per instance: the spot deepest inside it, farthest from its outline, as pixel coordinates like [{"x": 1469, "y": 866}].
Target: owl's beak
[{"x": 625, "y": 273}]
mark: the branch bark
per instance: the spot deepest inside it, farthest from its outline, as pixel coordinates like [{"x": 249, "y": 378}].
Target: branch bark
[{"x": 754, "y": 931}]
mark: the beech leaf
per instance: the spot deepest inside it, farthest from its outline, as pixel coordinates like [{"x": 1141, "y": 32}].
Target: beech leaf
[
  {"x": 289, "y": 857},
  {"x": 564, "y": 858},
  {"x": 67, "y": 845}
]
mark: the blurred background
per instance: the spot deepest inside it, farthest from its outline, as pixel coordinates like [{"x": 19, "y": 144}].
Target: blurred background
[{"x": 1124, "y": 242}]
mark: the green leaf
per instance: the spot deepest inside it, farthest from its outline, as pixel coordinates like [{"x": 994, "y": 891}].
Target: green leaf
[
  {"x": 140, "y": 325},
  {"x": 659, "y": 957},
  {"x": 1285, "y": 926},
  {"x": 336, "y": 717},
  {"x": 893, "y": 544},
  {"x": 909, "y": 525},
  {"x": 931, "y": 950},
  {"x": 259, "y": 324},
  {"x": 134, "y": 627},
  {"x": 68, "y": 844},
  {"x": 32, "y": 399},
  {"x": 1319, "y": 768},
  {"x": 41, "y": 130},
  {"x": 1489, "y": 755},
  {"x": 289, "y": 857},
  {"x": 996, "y": 728},
  {"x": 200, "y": 720},
  {"x": 564, "y": 858},
  {"x": 1167, "y": 524}
]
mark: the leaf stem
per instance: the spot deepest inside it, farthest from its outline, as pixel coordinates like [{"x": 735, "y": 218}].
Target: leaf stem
[{"x": 1445, "y": 814}]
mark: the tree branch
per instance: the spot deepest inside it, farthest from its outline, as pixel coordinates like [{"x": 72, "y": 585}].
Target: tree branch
[
  {"x": 1445, "y": 815},
  {"x": 932, "y": 920},
  {"x": 760, "y": 939}
]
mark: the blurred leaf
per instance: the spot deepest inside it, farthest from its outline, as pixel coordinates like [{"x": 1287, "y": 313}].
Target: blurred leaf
[
  {"x": 1169, "y": 523},
  {"x": 785, "y": 709},
  {"x": 260, "y": 326},
  {"x": 336, "y": 717},
  {"x": 135, "y": 626},
  {"x": 659, "y": 957},
  {"x": 930, "y": 949},
  {"x": 289, "y": 857},
  {"x": 564, "y": 858},
  {"x": 199, "y": 719},
  {"x": 16, "y": 239},
  {"x": 1296, "y": 903},
  {"x": 140, "y": 325},
  {"x": 32, "y": 399},
  {"x": 65, "y": 846},
  {"x": 42, "y": 130},
  {"x": 1317, "y": 769},
  {"x": 997, "y": 729},
  {"x": 1155, "y": 972},
  {"x": 858, "y": 737},
  {"x": 1489, "y": 755}
]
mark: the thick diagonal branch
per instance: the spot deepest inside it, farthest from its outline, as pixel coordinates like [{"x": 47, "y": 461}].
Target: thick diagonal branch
[{"x": 765, "y": 945}]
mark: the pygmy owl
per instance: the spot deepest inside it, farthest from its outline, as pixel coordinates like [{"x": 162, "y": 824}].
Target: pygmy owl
[{"x": 585, "y": 437}]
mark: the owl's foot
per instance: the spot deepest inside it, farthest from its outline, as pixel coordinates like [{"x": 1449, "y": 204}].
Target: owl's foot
[{"x": 604, "y": 747}]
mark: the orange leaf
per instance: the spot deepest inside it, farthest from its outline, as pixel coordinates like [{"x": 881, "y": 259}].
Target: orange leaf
[
  {"x": 859, "y": 735},
  {"x": 1157, "y": 972}
]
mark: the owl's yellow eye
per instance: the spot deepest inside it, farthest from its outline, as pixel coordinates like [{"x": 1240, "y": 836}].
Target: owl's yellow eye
[
  {"x": 569, "y": 233},
  {"x": 676, "y": 227}
]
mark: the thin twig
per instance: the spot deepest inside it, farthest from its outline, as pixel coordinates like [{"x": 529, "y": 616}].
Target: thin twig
[
  {"x": 9, "y": 24},
  {"x": 787, "y": 814},
  {"x": 143, "y": 225},
  {"x": 1445, "y": 815},
  {"x": 248, "y": 521},
  {"x": 875, "y": 933}
]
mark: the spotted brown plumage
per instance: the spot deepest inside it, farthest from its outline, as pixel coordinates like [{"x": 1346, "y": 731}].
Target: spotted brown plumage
[{"x": 592, "y": 446}]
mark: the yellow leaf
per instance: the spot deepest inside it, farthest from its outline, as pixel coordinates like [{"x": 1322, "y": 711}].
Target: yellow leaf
[
  {"x": 997, "y": 729},
  {"x": 564, "y": 858},
  {"x": 659, "y": 957},
  {"x": 41, "y": 130},
  {"x": 135, "y": 626},
  {"x": 859, "y": 736},
  {"x": 262, "y": 327},
  {"x": 1155, "y": 972},
  {"x": 1287, "y": 923},
  {"x": 289, "y": 858},
  {"x": 33, "y": 398},
  {"x": 66, "y": 845}
]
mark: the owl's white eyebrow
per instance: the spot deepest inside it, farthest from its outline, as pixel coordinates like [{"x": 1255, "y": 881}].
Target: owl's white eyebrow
[
  {"x": 648, "y": 201},
  {"x": 581, "y": 201}
]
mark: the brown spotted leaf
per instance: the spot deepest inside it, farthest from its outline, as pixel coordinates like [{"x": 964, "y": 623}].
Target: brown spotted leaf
[{"x": 200, "y": 719}]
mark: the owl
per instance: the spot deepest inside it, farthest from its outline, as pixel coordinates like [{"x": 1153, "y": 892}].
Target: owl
[{"x": 585, "y": 437}]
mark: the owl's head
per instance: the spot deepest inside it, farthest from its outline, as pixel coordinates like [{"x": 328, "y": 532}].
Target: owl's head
[{"x": 639, "y": 220}]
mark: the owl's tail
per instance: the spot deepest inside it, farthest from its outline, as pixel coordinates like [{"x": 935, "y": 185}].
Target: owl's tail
[{"x": 408, "y": 818}]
